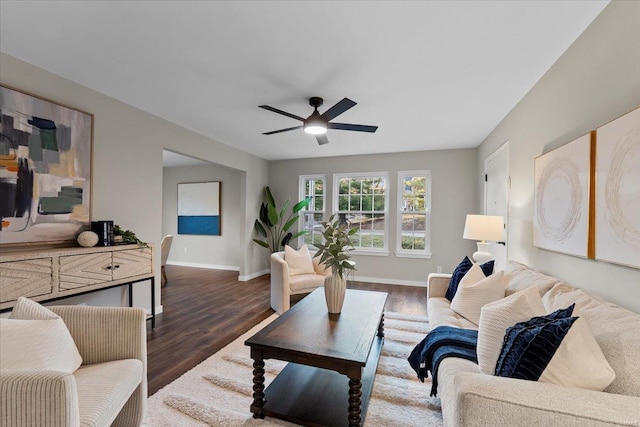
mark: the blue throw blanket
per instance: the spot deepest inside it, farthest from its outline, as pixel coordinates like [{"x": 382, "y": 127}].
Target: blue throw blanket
[{"x": 441, "y": 342}]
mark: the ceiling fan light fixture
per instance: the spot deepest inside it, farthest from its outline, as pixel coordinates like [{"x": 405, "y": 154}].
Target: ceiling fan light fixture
[{"x": 315, "y": 124}]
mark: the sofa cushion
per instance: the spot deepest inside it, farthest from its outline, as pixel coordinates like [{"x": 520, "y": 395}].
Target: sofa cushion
[
  {"x": 615, "y": 329},
  {"x": 104, "y": 388},
  {"x": 440, "y": 314},
  {"x": 470, "y": 297},
  {"x": 499, "y": 315},
  {"x": 299, "y": 262},
  {"x": 35, "y": 338},
  {"x": 518, "y": 277},
  {"x": 557, "y": 349},
  {"x": 460, "y": 271}
]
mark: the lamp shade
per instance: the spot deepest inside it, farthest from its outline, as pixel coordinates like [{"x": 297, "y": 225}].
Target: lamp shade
[{"x": 484, "y": 227}]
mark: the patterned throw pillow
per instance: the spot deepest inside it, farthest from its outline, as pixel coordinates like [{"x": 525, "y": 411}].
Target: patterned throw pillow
[
  {"x": 556, "y": 348},
  {"x": 499, "y": 315},
  {"x": 472, "y": 296},
  {"x": 460, "y": 271},
  {"x": 35, "y": 338}
]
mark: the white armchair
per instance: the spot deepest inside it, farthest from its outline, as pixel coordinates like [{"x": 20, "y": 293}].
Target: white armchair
[{"x": 283, "y": 285}]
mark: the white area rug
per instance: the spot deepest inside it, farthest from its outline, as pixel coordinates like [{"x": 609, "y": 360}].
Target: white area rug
[{"x": 218, "y": 391}]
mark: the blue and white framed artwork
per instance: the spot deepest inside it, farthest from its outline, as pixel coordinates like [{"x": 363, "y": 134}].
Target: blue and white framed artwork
[{"x": 199, "y": 208}]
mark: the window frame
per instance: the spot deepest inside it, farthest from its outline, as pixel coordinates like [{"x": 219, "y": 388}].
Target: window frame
[
  {"x": 384, "y": 251},
  {"x": 414, "y": 253},
  {"x": 301, "y": 195}
]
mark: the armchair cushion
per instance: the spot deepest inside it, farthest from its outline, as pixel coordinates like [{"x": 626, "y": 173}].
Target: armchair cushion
[
  {"x": 299, "y": 262},
  {"x": 36, "y": 338},
  {"x": 104, "y": 388}
]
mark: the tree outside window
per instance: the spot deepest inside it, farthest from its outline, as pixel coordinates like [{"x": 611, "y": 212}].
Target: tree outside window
[{"x": 414, "y": 200}]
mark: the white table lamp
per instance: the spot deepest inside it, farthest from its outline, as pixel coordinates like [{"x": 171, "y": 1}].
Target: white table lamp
[{"x": 483, "y": 228}]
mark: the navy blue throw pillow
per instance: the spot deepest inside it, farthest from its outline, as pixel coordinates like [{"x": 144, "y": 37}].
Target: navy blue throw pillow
[
  {"x": 529, "y": 346},
  {"x": 460, "y": 271}
]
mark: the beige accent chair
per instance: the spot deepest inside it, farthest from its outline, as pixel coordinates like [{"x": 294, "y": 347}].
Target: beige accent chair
[
  {"x": 109, "y": 388},
  {"x": 283, "y": 285},
  {"x": 165, "y": 248}
]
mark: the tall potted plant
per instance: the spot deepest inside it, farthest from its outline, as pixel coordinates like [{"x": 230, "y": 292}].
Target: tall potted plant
[
  {"x": 334, "y": 254},
  {"x": 272, "y": 228}
]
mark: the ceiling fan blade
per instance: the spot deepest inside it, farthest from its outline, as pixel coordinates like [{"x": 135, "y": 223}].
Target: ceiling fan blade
[
  {"x": 282, "y": 130},
  {"x": 338, "y": 109},
  {"x": 284, "y": 113},
  {"x": 357, "y": 128},
  {"x": 322, "y": 139}
]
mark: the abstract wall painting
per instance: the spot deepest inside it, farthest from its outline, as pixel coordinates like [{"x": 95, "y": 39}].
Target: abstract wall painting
[
  {"x": 45, "y": 169},
  {"x": 561, "y": 203},
  {"x": 618, "y": 191},
  {"x": 199, "y": 208}
]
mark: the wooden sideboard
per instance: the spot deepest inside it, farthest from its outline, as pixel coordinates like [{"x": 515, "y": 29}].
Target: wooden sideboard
[{"x": 47, "y": 275}]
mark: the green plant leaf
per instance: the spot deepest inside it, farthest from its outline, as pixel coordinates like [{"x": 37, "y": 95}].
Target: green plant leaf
[
  {"x": 287, "y": 238},
  {"x": 270, "y": 198},
  {"x": 301, "y": 204},
  {"x": 284, "y": 208},
  {"x": 261, "y": 243},
  {"x": 300, "y": 233},
  {"x": 273, "y": 214},
  {"x": 289, "y": 223},
  {"x": 259, "y": 228}
]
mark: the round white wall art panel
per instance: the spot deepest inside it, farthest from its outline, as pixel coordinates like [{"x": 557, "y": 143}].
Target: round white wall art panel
[
  {"x": 561, "y": 201},
  {"x": 618, "y": 191}
]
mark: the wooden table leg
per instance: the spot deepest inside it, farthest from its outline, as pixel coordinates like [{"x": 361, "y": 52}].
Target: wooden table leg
[
  {"x": 258, "y": 387},
  {"x": 381, "y": 327},
  {"x": 355, "y": 402}
]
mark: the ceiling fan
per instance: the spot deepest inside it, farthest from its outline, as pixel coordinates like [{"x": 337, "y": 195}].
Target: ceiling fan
[{"x": 317, "y": 124}]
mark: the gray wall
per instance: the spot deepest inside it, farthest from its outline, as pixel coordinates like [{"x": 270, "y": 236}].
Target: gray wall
[
  {"x": 453, "y": 173},
  {"x": 204, "y": 251},
  {"x": 127, "y": 166},
  {"x": 595, "y": 81}
]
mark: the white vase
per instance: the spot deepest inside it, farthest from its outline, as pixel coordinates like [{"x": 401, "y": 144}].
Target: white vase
[{"x": 334, "y": 290}]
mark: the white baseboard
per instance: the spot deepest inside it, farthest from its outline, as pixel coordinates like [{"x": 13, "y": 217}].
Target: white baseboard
[
  {"x": 253, "y": 276},
  {"x": 209, "y": 266},
  {"x": 418, "y": 283}
]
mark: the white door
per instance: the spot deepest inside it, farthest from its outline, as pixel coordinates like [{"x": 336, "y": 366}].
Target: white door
[{"x": 496, "y": 197}]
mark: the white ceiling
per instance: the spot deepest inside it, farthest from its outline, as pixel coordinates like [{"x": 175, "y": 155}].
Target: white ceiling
[
  {"x": 430, "y": 74},
  {"x": 175, "y": 160}
]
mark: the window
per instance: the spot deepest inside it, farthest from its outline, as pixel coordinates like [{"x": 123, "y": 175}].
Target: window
[
  {"x": 361, "y": 199},
  {"x": 310, "y": 217},
  {"x": 414, "y": 204}
]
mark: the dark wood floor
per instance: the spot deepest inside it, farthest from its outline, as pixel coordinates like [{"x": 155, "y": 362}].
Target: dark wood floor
[{"x": 204, "y": 310}]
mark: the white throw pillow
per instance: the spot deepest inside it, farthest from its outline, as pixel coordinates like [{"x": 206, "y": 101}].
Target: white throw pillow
[
  {"x": 557, "y": 348},
  {"x": 470, "y": 297},
  {"x": 299, "y": 262},
  {"x": 35, "y": 338},
  {"x": 579, "y": 361},
  {"x": 497, "y": 316}
]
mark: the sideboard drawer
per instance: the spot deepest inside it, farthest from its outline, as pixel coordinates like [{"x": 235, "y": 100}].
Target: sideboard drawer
[
  {"x": 131, "y": 262},
  {"x": 77, "y": 271},
  {"x": 27, "y": 278}
]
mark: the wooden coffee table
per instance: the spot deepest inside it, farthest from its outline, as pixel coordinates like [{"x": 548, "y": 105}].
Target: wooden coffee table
[{"x": 333, "y": 360}]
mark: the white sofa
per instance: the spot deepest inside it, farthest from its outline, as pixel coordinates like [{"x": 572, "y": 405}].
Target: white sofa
[
  {"x": 283, "y": 285},
  {"x": 470, "y": 398}
]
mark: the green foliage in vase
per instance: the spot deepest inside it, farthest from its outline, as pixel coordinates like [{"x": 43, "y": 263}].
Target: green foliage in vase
[
  {"x": 337, "y": 243},
  {"x": 272, "y": 228},
  {"x": 128, "y": 236}
]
